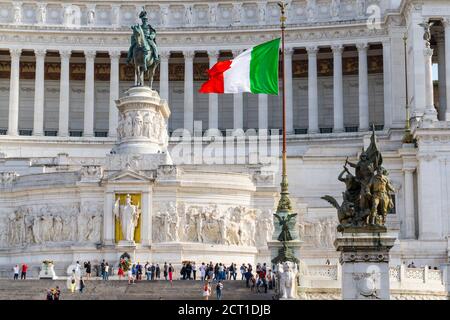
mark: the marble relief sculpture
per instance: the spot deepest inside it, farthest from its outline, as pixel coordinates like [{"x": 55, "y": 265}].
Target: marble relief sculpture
[
  {"x": 146, "y": 124},
  {"x": 211, "y": 224},
  {"x": 39, "y": 224}
]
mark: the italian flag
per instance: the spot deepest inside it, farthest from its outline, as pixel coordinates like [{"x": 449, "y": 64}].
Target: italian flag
[{"x": 255, "y": 70}]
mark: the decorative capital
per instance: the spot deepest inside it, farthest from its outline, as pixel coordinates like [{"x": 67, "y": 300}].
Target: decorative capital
[
  {"x": 15, "y": 52},
  {"x": 337, "y": 48},
  {"x": 189, "y": 54},
  {"x": 428, "y": 52},
  {"x": 114, "y": 54},
  {"x": 312, "y": 50},
  {"x": 65, "y": 53},
  {"x": 386, "y": 42},
  {"x": 40, "y": 53},
  {"x": 362, "y": 46},
  {"x": 446, "y": 22},
  {"x": 288, "y": 51},
  {"x": 237, "y": 52},
  {"x": 90, "y": 54},
  {"x": 213, "y": 53}
]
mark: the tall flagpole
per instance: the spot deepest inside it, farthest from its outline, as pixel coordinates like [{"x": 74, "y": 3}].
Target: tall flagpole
[
  {"x": 407, "y": 138},
  {"x": 284, "y": 205},
  {"x": 284, "y": 210}
]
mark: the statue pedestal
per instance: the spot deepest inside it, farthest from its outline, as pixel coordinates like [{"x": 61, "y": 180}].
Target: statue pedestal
[
  {"x": 47, "y": 272},
  {"x": 275, "y": 246},
  {"x": 142, "y": 127},
  {"x": 126, "y": 244},
  {"x": 365, "y": 265}
]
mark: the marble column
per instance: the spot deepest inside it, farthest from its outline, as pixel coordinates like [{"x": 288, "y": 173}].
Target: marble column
[
  {"x": 238, "y": 104},
  {"x": 113, "y": 92},
  {"x": 313, "y": 107},
  {"x": 13, "y": 120},
  {"x": 39, "y": 91},
  {"x": 89, "y": 93},
  {"x": 108, "y": 219},
  {"x": 164, "y": 75},
  {"x": 410, "y": 228},
  {"x": 387, "y": 80},
  {"x": 288, "y": 84},
  {"x": 146, "y": 225},
  {"x": 363, "y": 87},
  {"x": 446, "y": 23},
  {"x": 262, "y": 111},
  {"x": 338, "y": 94},
  {"x": 440, "y": 39},
  {"x": 430, "y": 111},
  {"x": 213, "y": 103},
  {"x": 64, "y": 90},
  {"x": 189, "y": 90}
]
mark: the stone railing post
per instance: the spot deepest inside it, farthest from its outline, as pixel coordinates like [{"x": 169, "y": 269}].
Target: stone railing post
[{"x": 425, "y": 274}]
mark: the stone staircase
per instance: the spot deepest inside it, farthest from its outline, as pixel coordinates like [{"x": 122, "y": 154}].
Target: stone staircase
[{"x": 121, "y": 290}]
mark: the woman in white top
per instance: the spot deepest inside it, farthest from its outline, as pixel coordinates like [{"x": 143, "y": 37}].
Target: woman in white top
[
  {"x": 130, "y": 276},
  {"x": 202, "y": 272},
  {"x": 206, "y": 290}
]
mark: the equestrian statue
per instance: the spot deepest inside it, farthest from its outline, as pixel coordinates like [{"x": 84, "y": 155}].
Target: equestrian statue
[{"x": 143, "y": 52}]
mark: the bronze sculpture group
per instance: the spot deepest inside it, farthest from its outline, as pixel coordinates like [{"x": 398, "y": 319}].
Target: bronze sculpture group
[{"x": 367, "y": 199}]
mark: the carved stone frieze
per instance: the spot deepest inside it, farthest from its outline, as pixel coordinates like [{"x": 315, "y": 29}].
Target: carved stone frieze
[
  {"x": 8, "y": 177},
  {"x": 239, "y": 225},
  {"x": 48, "y": 223},
  {"x": 91, "y": 173}
]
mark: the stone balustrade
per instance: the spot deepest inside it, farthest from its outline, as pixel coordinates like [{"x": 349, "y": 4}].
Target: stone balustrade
[
  {"x": 401, "y": 278},
  {"x": 169, "y": 14}
]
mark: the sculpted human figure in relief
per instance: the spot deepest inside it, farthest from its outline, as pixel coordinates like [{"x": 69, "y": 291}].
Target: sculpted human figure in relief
[{"x": 128, "y": 215}]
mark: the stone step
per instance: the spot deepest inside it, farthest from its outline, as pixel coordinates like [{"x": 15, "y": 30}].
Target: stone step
[{"x": 121, "y": 290}]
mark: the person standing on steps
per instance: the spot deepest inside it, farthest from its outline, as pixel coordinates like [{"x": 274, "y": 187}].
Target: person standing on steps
[
  {"x": 16, "y": 272},
  {"x": 23, "y": 275},
  {"x": 202, "y": 269},
  {"x": 219, "y": 288},
  {"x": 194, "y": 271},
  {"x": 87, "y": 267},
  {"x": 130, "y": 276},
  {"x": 166, "y": 270},
  {"x": 158, "y": 272},
  {"x": 82, "y": 285},
  {"x": 106, "y": 275},
  {"x": 170, "y": 273},
  {"x": 206, "y": 290},
  {"x": 102, "y": 269}
]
